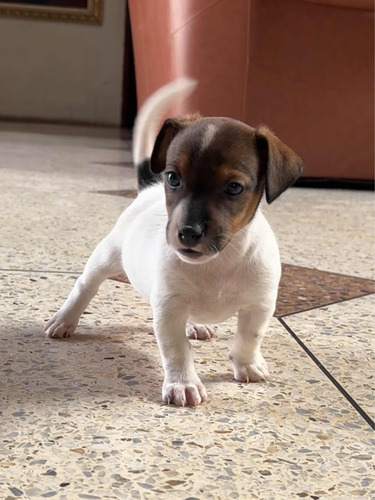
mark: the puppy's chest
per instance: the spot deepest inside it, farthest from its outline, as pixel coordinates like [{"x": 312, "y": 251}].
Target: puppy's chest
[{"x": 216, "y": 300}]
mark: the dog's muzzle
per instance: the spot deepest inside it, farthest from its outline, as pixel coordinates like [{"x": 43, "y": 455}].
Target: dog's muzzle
[{"x": 193, "y": 249}]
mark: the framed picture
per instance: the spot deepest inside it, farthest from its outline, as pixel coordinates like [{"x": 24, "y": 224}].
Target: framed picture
[{"x": 76, "y": 11}]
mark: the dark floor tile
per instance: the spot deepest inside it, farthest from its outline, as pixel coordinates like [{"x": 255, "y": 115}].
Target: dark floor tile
[{"x": 302, "y": 288}]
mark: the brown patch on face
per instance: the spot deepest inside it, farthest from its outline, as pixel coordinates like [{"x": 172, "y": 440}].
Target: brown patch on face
[
  {"x": 243, "y": 207},
  {"x": 250, "y": 204},
  {"x": 182, "y": 166},
  {"x": 225, "y": 173}
]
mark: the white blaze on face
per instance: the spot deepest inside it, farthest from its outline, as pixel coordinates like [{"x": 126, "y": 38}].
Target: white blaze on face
[{"x": 208, "y": 135}]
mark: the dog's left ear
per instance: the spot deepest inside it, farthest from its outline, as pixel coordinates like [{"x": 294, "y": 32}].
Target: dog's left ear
[{"x": 281, "y": 165}]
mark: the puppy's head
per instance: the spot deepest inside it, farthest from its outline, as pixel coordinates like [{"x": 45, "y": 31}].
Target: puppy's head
[{"x": 216, "y": 171}]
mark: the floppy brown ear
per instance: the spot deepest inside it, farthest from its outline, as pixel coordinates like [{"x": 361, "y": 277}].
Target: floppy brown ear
[
  {"x": 281, "y": 165},
  {"x": 169, "y": 129}
]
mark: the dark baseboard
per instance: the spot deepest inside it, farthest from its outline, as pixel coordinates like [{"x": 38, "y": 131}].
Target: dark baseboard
[
  {"x": 57, "y": 121},
  {"x": 311, "y": 182}
]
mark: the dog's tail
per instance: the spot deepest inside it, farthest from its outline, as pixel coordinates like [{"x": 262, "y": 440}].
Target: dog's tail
[{"x": 147, "y": 125}]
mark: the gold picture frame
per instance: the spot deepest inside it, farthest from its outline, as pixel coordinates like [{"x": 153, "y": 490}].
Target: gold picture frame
[{"x": 90, "y": 13}]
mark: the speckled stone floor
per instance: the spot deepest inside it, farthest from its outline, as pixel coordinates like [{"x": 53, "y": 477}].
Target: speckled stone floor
[{"x": 83, "y": 418}]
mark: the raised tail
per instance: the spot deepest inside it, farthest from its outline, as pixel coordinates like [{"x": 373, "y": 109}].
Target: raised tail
[{"x": 147, "y": 125}]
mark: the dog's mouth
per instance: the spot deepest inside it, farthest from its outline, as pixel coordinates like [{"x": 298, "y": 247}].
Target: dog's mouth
[
  {"x": 193, "y": 256},
  {"x": 189, "y": 252}
]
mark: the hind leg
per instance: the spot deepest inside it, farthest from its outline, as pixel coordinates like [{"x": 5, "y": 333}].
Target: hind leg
[
  {"x": 104, "y": 263},
  {"x": 201, "y": 332}
]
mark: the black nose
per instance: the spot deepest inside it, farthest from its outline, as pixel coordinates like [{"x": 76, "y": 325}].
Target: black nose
[{"x": 190, "y": 235}]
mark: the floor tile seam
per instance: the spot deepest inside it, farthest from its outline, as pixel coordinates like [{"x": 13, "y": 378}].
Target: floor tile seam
[
  {"x": 283, "y": 315},
  {"x": 44, "y": 271},
  {"x": 39, "y": 271},
  {"x": 324, "y": 305},
  {"x": 329, "y": 375}
]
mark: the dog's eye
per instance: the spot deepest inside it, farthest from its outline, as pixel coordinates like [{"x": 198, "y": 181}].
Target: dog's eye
[
  {"x": 173, "y": 180},
  {"x": 234, "y": 188}
]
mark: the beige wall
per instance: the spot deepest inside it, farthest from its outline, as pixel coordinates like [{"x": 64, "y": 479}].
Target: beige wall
[{"x": 63, "y": 71}]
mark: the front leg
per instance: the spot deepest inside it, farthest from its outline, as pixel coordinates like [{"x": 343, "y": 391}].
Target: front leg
[
  {"x": 104, "y": 263},
  {"x": 246, "y": 357},
  {"x": 181, "y": 386}
]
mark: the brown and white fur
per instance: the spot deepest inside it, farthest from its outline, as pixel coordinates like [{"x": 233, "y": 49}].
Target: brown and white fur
[{"x": 195, "y": 243}]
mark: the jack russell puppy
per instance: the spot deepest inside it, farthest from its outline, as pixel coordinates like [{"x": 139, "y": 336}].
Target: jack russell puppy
[{"x": 194, "y": 243}]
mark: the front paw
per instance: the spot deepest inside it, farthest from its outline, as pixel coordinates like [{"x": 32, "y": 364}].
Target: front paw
[
  {"x": 184, "y": 393},
  {"x": 254, "y": 371},
  {"x": 60, "y": 326}
]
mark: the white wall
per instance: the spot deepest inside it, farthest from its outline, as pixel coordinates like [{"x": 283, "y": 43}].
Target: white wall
[{"x": 63, "y": 71}]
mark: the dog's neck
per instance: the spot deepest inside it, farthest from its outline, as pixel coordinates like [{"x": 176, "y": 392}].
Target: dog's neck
[{"x": 243, "y": 242}]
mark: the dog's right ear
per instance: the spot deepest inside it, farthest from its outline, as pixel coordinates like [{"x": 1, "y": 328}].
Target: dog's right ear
[
  {"x": 168, "y": 131},
  {"x": 170, "y": 128}
]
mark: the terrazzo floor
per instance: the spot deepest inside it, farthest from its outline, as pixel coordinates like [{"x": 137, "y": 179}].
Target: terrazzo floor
[{"x": 83, "y": 418}]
